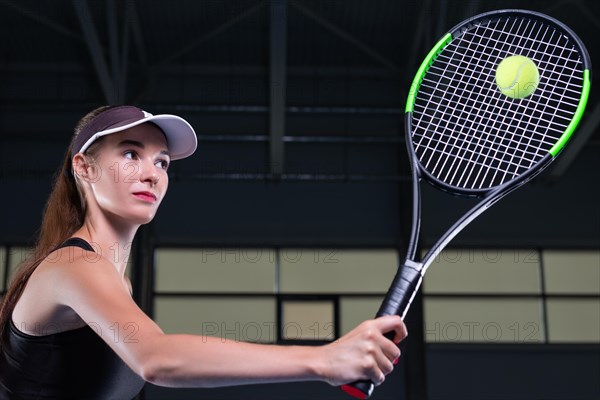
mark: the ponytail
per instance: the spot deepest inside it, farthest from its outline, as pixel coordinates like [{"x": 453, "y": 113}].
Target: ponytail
[{"x": 64, "y": 213}]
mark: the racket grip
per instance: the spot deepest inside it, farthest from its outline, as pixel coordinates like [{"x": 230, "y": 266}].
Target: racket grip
[
  {"x": 402, "y": 290},
  {"x": 396, "y": 302}
]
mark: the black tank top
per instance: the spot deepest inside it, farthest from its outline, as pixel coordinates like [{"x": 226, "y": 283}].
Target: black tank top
[{"x": 75, "y": 364}]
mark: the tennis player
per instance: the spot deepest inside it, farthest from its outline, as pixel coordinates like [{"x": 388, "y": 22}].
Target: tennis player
[{"x": 68, "y": 324}]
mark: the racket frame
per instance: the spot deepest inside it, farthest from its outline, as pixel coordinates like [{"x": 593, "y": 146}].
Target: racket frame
[
  {"x": 411, "y": 272},
  {"x": 489, "y": 196}
]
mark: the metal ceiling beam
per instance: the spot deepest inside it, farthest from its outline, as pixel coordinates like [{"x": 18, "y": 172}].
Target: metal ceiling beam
[
  {"x": 260, "y": 71},
  {"x": 348, "y": 38},
  {"x": 277, "y": 84},
  {"x": 136, "y": 31},
  {"x": 55, "y": 26},
  {"x": 113, "y": 49},
  {"x": 153, "y": 69},
  {"x": 214, "y": 70},
  {"x": 122, "y": 77},
  {"x": 91, "y": 37},
  {"x": 209, "y": 35},
  {"x": 425, "y": 37},
  {"x": 418, "y": 41},
  {"x": 442, "y": 20},
  {"x": 118, "y": 53}
]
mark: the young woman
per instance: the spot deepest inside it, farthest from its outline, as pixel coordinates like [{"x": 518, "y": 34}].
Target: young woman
[{"x": 59, "y": 315}]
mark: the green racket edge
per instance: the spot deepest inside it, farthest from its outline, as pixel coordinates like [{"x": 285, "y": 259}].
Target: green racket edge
[
  {"x": 585, "y": 92},
  {"x": 429, "y": 59}
]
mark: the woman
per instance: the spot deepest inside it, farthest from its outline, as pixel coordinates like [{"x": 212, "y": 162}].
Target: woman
[{"x": 64, "y": 317}]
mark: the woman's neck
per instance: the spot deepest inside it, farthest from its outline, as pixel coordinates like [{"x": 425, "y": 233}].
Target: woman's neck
[{"x": 111, "y": 241}]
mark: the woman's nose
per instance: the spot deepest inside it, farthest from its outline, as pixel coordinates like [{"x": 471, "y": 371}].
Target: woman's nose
[{"x": 149, "y": 174}]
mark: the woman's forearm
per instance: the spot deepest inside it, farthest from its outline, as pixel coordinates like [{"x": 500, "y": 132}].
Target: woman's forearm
[{"x": 200, "y": 361}]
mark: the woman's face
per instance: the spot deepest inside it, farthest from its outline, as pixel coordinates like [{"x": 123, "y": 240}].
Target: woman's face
[{"x": 129, "y": 177}]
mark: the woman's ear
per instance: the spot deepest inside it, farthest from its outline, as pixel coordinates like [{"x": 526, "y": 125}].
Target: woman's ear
[{"x": 83, "y": 168}]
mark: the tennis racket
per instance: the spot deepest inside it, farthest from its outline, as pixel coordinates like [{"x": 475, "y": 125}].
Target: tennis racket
[{"x": 468, "y": 138}]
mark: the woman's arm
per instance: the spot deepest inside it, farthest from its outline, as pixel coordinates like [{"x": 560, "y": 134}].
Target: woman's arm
[
  {"x": 95, "y": 291},
  {"x": 186, "y": 360}
]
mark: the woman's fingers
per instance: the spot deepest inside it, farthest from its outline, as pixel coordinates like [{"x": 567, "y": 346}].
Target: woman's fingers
[
  {"x": 382, "y": 351},
  {"x": 392, "y": 323},
  {"x": 366, "y": 352}
]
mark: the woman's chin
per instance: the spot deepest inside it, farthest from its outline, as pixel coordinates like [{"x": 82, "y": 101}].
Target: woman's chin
[
  {"x": 147, "y": 220},
  {"x": 141, "y": 219}
]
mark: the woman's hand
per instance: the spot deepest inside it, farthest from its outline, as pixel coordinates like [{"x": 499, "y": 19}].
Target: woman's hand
[{"x": 364, "y": 353}]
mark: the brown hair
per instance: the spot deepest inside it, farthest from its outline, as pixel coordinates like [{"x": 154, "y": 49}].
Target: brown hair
[{"x": 64, "y": 213}]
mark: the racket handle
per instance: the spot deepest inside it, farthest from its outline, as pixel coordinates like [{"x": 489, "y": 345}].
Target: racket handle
[
  {"x": 402, "y": 290},
  {"x": 396, "y": 302},
  {"x": 359, "y": 389}
]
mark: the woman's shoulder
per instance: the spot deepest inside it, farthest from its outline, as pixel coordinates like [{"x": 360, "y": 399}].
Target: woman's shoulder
[
  {"x": 65, "y": 286},
  {"x": 73, "y": 264},
  {"x": 79, "y": 280},
  {"x": 63, "y": 277}
]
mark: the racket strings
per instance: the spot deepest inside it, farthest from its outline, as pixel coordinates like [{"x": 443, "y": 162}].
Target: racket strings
[
  {"x": 546, "y": 140},
  {"x": 558, "y": 52},
  {"x": 469, "y": 160},
  {"x": 434, "y": 72},
  {"x": 468, "y": 134},
  {"x": 523, "y": 159},
  {"x": 469, "y": 168},
  {"x": 481, "y": 147}
]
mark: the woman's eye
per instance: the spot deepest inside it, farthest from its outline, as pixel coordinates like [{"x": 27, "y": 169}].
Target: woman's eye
[
  {"x": 130, "y": 154},
  {"x": 164, "y": 164}
]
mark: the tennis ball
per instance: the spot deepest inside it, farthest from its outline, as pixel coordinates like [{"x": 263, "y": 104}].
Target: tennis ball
[{"x": 517, "y": 77}]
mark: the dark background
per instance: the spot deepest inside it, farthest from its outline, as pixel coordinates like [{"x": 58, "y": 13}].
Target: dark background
[{"x": 298, "y": 107}]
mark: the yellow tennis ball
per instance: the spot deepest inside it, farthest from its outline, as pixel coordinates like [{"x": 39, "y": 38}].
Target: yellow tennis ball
[{"x": 517, "y": 77}]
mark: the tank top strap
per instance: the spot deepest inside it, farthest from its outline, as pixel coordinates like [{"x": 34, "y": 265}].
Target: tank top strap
[{"x": 77, "y": 242}]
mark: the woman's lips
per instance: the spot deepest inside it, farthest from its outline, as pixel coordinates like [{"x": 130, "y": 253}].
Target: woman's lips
[{"x": 146, "y": 196}]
